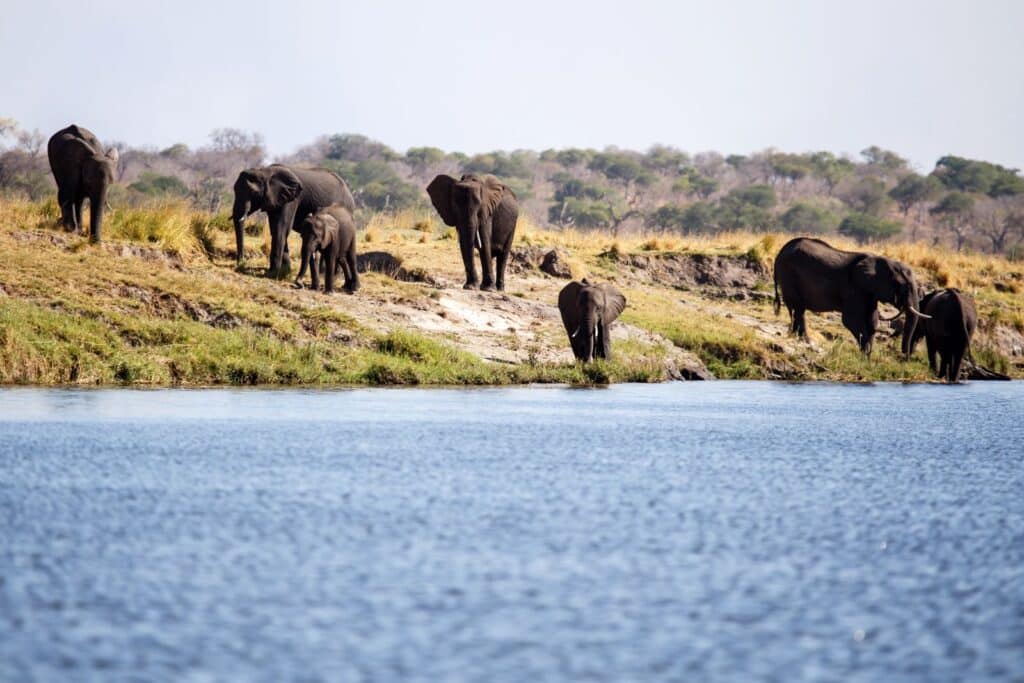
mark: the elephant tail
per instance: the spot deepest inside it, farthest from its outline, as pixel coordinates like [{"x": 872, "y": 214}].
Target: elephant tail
[{"x": 778, "y": 302}]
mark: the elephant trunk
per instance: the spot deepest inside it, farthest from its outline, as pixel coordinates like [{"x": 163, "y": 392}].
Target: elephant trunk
[
  {"x": 588, "y": 328},
  {"x": 307, "y": 253},
  {"x": 238, "y": 213},
  {"x": 910, "y": 307}
]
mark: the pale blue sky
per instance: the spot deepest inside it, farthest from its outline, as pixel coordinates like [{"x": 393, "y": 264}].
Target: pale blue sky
[{"x": 921, "y": 78}]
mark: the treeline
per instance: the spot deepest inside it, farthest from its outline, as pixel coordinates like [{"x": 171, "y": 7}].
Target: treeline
[{"x": 964, "y": 203}]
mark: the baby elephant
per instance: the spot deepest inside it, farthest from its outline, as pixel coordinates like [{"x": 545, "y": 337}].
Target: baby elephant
[
  {"x": 588, "y": 311},
  {"x": 331, "y": 233},
  {"x": 948, "y": 333}
]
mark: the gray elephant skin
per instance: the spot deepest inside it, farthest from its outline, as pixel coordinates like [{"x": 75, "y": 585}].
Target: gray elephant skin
[
  {"x": 947, "y": 334},
  {"x": 484, "y": 212},
  {"x": 83, "y": 170},
  {"x": 814, "y": 276},
  {"x": 331, "y": 233},
  {"x": 588, "y": 311},
  {"x": 287, "y": 195}
]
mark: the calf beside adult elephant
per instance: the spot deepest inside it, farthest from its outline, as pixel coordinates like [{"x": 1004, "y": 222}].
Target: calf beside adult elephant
[
  {"x": 948, "y": 331},
  {"x": 484, "y": 211},
  {"x": 83, "y": 170},
  {"x": 287, "y": 195},
  {"x": 814, "y": 276},
  {"x": 331, "y": 233},
  {"x": 588, "y": 311}
]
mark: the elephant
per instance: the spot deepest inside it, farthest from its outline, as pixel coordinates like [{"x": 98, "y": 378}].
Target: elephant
[
  {"x": 948, "y": 332},
  {"x": 816, "y": 277},
  {"x": 484, "y": 211},
  {"x": 287, "y": 195},
  {"x": 83, "y": 170},
  {"x": 588, "y": 311},
  {"x": 331, "y": 232}
]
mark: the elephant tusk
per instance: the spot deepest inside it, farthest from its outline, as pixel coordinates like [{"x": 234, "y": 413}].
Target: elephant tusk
[
  {"x": 892, "y": 317},
  {"x": 919, "y": 314},
  {"x": 573, "y": 335}
]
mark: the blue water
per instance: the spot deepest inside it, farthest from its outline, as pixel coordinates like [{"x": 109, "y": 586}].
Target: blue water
[{"x": 698, "y": 531}]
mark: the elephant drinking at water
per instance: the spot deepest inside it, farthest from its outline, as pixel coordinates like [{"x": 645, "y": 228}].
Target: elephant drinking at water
[
  {"x": 287, "y": 195},
  {"x": 588, "y": 311},
  {"x": 814, "y": 276}
]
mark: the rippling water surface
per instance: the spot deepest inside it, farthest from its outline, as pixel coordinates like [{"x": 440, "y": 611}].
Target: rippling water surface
[{"x": 704, "y": 531}]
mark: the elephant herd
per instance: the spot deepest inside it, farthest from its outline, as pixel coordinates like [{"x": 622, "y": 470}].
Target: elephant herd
[{"x": 810, "y": 275}]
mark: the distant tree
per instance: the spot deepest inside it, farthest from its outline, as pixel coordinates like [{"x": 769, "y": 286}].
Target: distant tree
[
  {"x": 1000, "y": 222},
  {"x": 583, "y": 213},
  {"x": 176, "y": 152},
  {"x": 806, "y": 218},
  {"x": 155, "y": 185},
  {"x": 970, "y": 175},
  {"x": 666, "y": 160},
  {"x": 500, "y": 164},
  {"x": 885, "y": 162},
  {"x": 865, "y": 227},
  {"x": 692, "y": 182},
  {"x": 830, "y": 169},
  {"x": 735, "y": 160},
  {"x": 353, "y": 147},
  {"x": 248, "y": 147},
  {"x": 912, "y": 189},
  {"x": 422, "y": 157},
  {"x": 699, "y": 217},
  {"x": 954, "y": 214},
  {"x": 747, "y": 208},
  {"x": 866, "y": 195},
  {"x": 572, "y": 157},
  {"x": 31, "y": 141}
]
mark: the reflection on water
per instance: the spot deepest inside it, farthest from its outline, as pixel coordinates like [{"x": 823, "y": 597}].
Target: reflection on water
[{"x": 727, "y": 531}]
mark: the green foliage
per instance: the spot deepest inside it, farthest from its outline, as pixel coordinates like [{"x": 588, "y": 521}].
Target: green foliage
[
  {"x": 154, "y": 185},
  {"x": 620, "y": 167},
  {"x": 666, "y": 160},
  {"x": 567, "y": 186},
  {"x": 501, "y": 164},
  {"x": 954, "y": 204},
  {"x": 913, "y": 189},
  {"x": 748, "y": 208},
  {"x": 376, "y": 185},
  {"x": 865, "y": 227},
  {"x": 352, "y": 147},
  {"x": 698, "y": 217},
  {"x": 969, "y": 175},
  {"x": 692, "y": 182},
  {"x": 584, "y": 213},
  {"x": 883, "y": 159},
  {"x": 808, "y": 219},
  {"x": 789, "y": 167},
  {"x": 867, "y": 195},
  {"x": 420, "y": 157},
  {"x": 572, "y": 157},
  {"x": 830, "y": 169}
]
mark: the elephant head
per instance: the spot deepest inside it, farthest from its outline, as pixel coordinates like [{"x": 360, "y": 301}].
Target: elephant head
[
  {"x": 466, "y": 203},
  {"x": 889, "y": 281},
  {"x": 588, "y": 311},
  {"x": 261, "y": 189}
]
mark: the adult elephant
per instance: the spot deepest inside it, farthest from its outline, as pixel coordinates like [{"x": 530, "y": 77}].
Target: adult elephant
[
  {"x": 948, "y": 331},
  {"x": 814, "y": 276},
  {"x": 287, "y": 195},
  {"x": 484, "y": 211},
  {"x": 83, "y": 170},
  {"x": 588, "y": 311}
]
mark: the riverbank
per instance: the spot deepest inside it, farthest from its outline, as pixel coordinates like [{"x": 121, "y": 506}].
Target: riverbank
[{"x": 161, "y": 302}]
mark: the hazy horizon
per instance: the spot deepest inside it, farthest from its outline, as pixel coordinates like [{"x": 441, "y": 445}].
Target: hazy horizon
[{"x": 921, "y": 79}]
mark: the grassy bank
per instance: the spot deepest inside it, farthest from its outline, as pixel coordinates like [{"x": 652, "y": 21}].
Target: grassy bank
[{"x": 161, "y": 302}]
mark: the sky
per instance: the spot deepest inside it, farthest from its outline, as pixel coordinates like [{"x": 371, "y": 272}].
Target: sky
[{"x": 923, "y": 78}]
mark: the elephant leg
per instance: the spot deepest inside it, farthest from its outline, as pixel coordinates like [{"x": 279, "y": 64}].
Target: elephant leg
[
  {"x": 76, "y": 208},
  {"x": 314, "y": 272},
  {"x": 352, "y": 274},
  {"x": 500, "y": 274},
  {"x": 955, "y": 361},
  {"x": 332, "y": 266},
  {"x": 799, "y": 323},
  {"x": 932, "y": 354},
  {"x": 466, "y": 247},
  {"x": 486, "y": 264},
  {"x": 64, "y": 201},
  {"x": 944, "y": 364}
]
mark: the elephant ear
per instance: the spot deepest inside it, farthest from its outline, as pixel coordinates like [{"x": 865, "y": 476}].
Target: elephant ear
[
  {"x": 864, "y": 274},
  {"x": 568, "y": 306},
  {"x": 493, "y": 192},
  {"x": 440, "y": 191},
  {"x": 615, "y": 303},
  {"x": 283, "y": 187}
]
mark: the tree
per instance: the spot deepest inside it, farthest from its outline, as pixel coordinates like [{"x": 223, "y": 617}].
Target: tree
[
  {"x": 806, "y": 218},
  {"x": 970, "y": 175},
  {"x": 954, "y": 213},
  {"x": 884, "y": 162},
  {"x": 1000, "y": 222},
  {"x": 352, "y": 147},
  {"x": 421, "y": 157},
  {"x": 865, "y": 227},
  {"x": 666, "y": 160},
  {"x": 830, "y": 169},
  {"x": 233, "y": 141},
  {"x": 913, "y": 189},
  {"x": 867, "y": 195},
  {"x": 747, "y": 208},
  {"x": 155, "y": 185}
]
